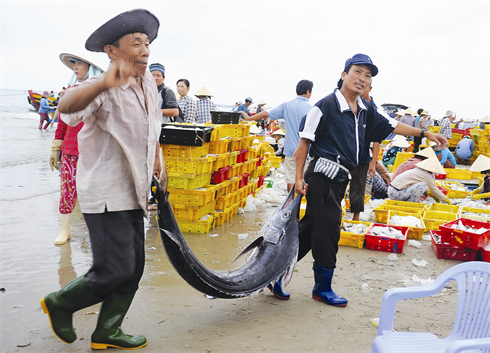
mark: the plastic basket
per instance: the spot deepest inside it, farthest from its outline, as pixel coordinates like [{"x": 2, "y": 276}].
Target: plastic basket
[
  {"x": 444, "y": 208},
  {"x": 433, "y": 219},
  {"x": 381, "y": 212},
  {"x": 222, "y": 216},
  {"x": 199, "y": 226},
  {"x": 188, "y": 135},
  {"x": 415, "y": 232},
  {"x": 448, "y": 251},
  {"x": 236, "y": 144},
  {"x": 220, "y": 117},
  {"x": 220, "y": 146},
  {"x": 402, "y": 157},
  {"x": 454, "y": 194},
  {"x": 185, "y": 151},
  {"x": 353, "y": 239},
  {"x": 192, "y": 213},
  {"x": 380, "y": 243},
  {"x": 275, "y": 161},
  {"x": 465, "y": 210},
  {"x": 200, "y": 197},
  {"x": 485, "y": 254},
  {"x": 453, "y": 173},
  {"x": 198, "y": 166},
  {"x": 465, "y": 238},
  {"x": 219, "y": 175},
  {"x": 188, "y": 181},
  {"x": 223, "y": 188},
  {"x": 231, "y": 158},
  {"x": 219, "y": 161}
]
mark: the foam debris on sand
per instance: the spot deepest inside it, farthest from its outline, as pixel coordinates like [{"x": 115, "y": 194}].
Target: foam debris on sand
[
  {"x": 393, "y": 257},
  {"x": 419, "y": 263},
  {"x": 243, "y": 236},
  {"x": 415, "y": 243}
]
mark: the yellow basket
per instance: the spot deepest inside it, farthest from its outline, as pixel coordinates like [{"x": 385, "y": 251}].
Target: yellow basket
[
  {"x": 221, "y": 217},
  {"x": 458, "y": 173},
  {"x": 402, "y": 157},
  {"x": 199, "y": 226},
  {"x": 188, "y": 181},
  {"x": 233, "y": 130},
  {"x": 381, "y": 212},
  {"x": 200, "y": 197},
  {"x": 223, "y": 188},
  {"x": 454, "y": 194},
  {"x": 215, "y": 134},
  {"x": 414, "y": 232},
  {"x": 236, "y": 144},
  {"x": 226, "y": 201},
  {"x": 220, "y": 146},
  {"x": 185, "y": 151},
  {"x": 433, "y": 219},
  {"x": 434, "y": 129},
  {"x": 252, "y": 153},
  {"x": 235, "y": 183},
  {"x": 475, "y": 217},
  {"x": 246, "y": 127},
  {"x": 219, "y": 161},
  {"x": 275, "y": 161},
  {"x": 444, "y": 208},
  {"x": 406, "y": 204},
  {"x": 353, "y": 239},
  {"x": 240, "y": 194},
  {"x": 247, "y": 142},
  {"x": 231, "y": 158},
  {"x": 475, "y": 132},
  {"x": 192, "y": 213},
  {"x": 198, "y": 166}
]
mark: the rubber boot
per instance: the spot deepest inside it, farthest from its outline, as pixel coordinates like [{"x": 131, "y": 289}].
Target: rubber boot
[
  {"x": 323, "y": 287},
  {"x": 65, "y": 229},
  {"x": 108, "y": 332},
  {"x": 277, "y": 290},
  {"x": 61, "y": 305}
]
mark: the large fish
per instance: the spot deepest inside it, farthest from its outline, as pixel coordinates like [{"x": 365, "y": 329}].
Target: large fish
[{"x": 271, "y": 256}]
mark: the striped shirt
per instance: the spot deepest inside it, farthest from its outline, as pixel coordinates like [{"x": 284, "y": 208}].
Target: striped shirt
[{"x": 189, "y": 109}]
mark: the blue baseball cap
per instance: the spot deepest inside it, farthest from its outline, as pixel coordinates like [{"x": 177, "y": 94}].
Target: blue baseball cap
[
  {"x": 157, "y": 67},
  {"x": 362, "y": 59}
]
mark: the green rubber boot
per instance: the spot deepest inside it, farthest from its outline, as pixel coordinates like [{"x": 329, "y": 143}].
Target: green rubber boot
[
  {"x": 108, "y": 332},
  {"x": 61, "y": 305}
]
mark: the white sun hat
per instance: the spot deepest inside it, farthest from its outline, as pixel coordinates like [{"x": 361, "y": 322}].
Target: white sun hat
[
  {"x": 431, "y": 165},
  {"x": 426, "y": 152},
  {"x": 401, "y": 143},
  {"x": 203, "y": 92},
  {"x": 480, "y": 164},
  {"x": 94, "y": 59}
]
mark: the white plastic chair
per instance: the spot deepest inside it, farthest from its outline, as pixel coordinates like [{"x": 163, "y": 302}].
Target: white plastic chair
[{"x": 471, "y": 329}]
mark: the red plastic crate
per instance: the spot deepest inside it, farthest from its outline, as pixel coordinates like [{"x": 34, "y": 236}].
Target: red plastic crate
[
  {"x": 458, "y": 131},
  {"x": 375, "y": 242},
  {"x": 485, "y": 254},
  {"x": 440, "y": 176},
  {"x": 464, "y": 238},
  {"x": 444, "y": 191},
  {"x": 241, "y": 156},
  {"x": 244, "y": 181},
  {"x": 449, "y": 251},
  {"x": 220, "y": 175},
  {"x": 260, "y": 182},
  {"x": 259, "y": 162}
]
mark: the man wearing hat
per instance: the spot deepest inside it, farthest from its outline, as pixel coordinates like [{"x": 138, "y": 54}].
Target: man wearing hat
[
  {"x": 204, "y": 105},
  {"x": 244, "y": 107},
  {"x": 119, "y": 154},
  {"x": 166, "y": 97},
  {"x": 333, "y": 132},
  {"x": 446, "y": 128}
]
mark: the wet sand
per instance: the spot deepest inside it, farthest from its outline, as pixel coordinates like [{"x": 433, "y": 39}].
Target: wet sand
[{"x": 176, "y": 318}]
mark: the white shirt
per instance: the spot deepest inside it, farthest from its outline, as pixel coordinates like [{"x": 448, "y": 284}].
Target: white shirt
[{"x": 117, "y": 147}]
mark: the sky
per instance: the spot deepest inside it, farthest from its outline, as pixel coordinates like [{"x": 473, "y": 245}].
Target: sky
[{"x": 433, "y": 55}]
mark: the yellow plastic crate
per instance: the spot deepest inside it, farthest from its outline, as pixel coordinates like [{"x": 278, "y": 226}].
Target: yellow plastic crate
[
  {"x": 246, "y": 127},
  {"x": 226, "y": 201},
  {"x": 188, "y": 181},
  {"x": 240, "y": 194},
  {"x": 414, "y": 232},
  {"x": 192, "y": 213},
  {"x": 243, "y": 203},
  {"x": 233, "y": 130},
  {"x": 185, "y": 151},
  {"x": 458, "y": 173},
  {"x": 252, "y": 153},
  {"x": 215, "y": 134},
  {"x": 220, "y": 146},
  {"x": 247, "y": 142},
  {"x": 381, "y": 212},
  {"x": 236, "y": 144},
  {"x": 454, "y": 194},
  {"x": 275, "y": 161},
  {"x": 235, "y": 183},
  {"x": 223, "y": 188},
  {"x": 434, "y": 129},
  {"x": 199, "y": 197},
  {"x": 353, "y": 239},
  {"x": 405, "y": 204},
  {"x": 475, "y": 217},
  {"x": 402, "y": 157},
  {"x": 219, "y": 161},
  {"x": 235, "y": 170},
  {"x": 444, "y": 208},
  {"x": 222, "y": 216},
  {"x": 199, "y": 226},
  {"x": 198, "y": 166},
  {"x": 249, "y": 188},
  {"x": 433, "y": 219},
  {"x": 231, "y": 158}
]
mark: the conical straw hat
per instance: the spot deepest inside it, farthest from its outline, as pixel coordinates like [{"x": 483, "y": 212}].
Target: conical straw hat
[
  {"x": 203, "y": 92},
  {"x": 485, "y": 119},
  {"x": 399, "y": 137},
  {"x": 409, "y": 111},
  {"x": 431, "y": 165},
  {"x": 426, "y": 152},
  {"x": 480, "y": 164},
  {"x": 254, "y": 129},
  {"x": 262, "y": 103},
  {"x": 401, "y": 143}
]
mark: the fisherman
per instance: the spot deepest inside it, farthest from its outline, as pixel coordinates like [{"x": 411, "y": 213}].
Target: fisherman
[
  {"x": 464, "y": 149},
  {"x": 119, "y": 154},
  {"x": 446, "y": 129},
  {"x": 482, "y": 164},
  {"x": 244, "y": 107},
  {"x": 65, "y": 138},
  {"x": 331, "y": 127},
  {"x": 204, "y": 106},
  {"x": 166, "y": 97}
]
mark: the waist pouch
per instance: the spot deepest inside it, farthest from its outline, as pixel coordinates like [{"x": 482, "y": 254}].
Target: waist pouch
[{"x": 332, "y": 170}]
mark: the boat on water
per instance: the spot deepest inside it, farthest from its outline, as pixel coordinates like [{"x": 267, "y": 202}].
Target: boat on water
[{"x": 34, "y": 98}]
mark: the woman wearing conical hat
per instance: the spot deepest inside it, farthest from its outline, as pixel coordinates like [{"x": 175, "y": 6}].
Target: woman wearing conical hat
[
  {"x": 482, "y": 164},
  {"x": 399, "y": 145},
  {"x": 412, "y": 162},
  {"x": 413, "y": 184}
]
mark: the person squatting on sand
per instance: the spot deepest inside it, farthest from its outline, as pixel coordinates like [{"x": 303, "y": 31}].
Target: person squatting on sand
[
  {"x": 122, "y": 125},
  {"x": 65, "y": 138},
  {"x": 329, "y": 130}
]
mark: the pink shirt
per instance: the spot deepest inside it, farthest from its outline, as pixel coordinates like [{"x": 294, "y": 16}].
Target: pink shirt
[{"x": 117, "y": 146}]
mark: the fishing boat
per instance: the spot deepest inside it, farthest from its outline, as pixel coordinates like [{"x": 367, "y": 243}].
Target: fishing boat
[{"x": 34, "y": 99}]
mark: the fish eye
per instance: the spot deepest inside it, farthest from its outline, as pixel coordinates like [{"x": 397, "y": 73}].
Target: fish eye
[{"x": 286, "y": 214}]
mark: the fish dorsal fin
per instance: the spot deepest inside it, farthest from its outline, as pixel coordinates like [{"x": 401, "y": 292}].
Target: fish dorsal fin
[
  {"x": 255, "y": 244},
  {"x": 172, "y": 236}
]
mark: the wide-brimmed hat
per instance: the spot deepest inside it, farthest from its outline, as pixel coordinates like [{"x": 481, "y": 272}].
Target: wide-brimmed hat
[
  {"x": 409, "y": 111},
  {"x": 278, "y": 132},
  {"x": 467, "y": 120},
  {"x": 426, "y": 152},
  {"x": 485, "y": 119},
  {"x": 88, "y": 57},
  {"x": 480, "y": 164},
  {"x": 401, "y": 112},
  {"x": 403, "y": 143},
  {"x": 203, "y": 92},
  {"x": 262, "y": 103},
  {"x": 254, "y": 129},
  {"x": 133, "y": 21},
  {"x": 435, "y": 118},
  {"x": 431, "y": 164},
  {"x": 449, "y": 113}
]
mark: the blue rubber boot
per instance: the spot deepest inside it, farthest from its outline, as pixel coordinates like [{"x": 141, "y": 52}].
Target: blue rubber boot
[
  {"x": 278, "y": 291},
  {"x": 323, "y": 287}
]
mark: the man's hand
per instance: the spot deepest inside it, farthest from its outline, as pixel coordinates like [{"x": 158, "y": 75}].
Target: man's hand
[
  {"x": 300, "y": 186},
  {"x": 119, "y": 74},
  {"x": 437, "y": 138},
  {"x": 371, "y": 170}
]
